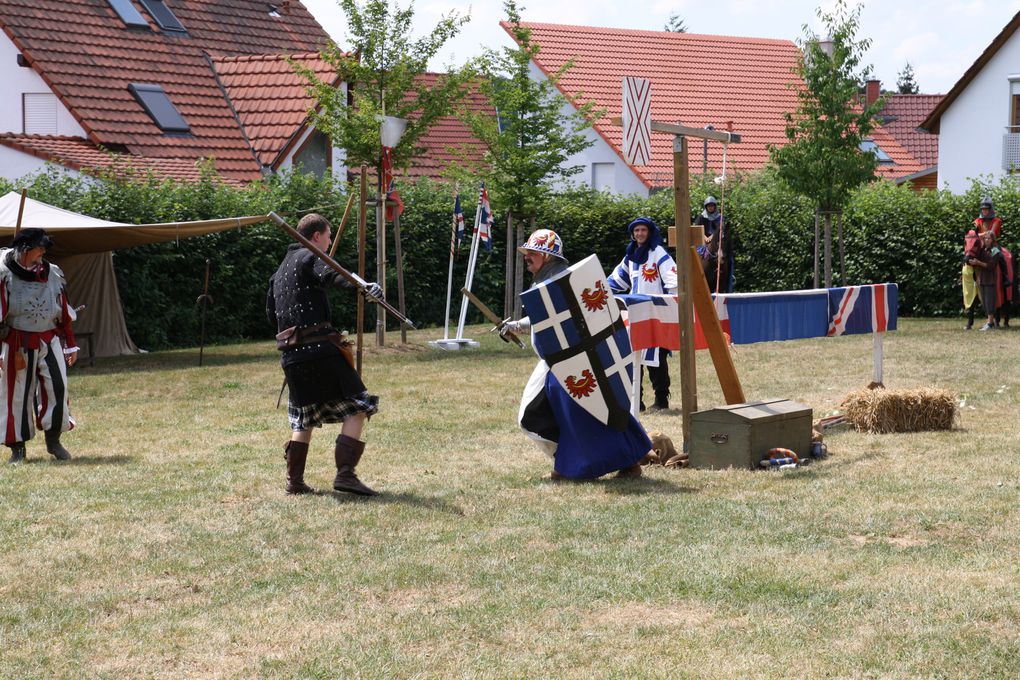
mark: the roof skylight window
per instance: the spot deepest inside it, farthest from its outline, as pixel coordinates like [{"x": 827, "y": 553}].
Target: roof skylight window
[
  {"x": 163, "y": 16},
  {"x": 128, "y": 14},
  {"x": 882, "y": 156},
  {"x": 159, "y": 107}
]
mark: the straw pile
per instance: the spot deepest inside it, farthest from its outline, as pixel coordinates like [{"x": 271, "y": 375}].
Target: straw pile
[{"x": 883, "y": 411}]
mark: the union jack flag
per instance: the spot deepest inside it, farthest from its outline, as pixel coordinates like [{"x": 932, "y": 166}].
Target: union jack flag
[
  {"x": 863, "y": 309},
  {"x": 486, "y": 222},
  {"x": 458, "y": 219}
]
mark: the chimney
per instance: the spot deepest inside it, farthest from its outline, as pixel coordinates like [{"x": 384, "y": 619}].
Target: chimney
[{"x": 872, "y": 91}]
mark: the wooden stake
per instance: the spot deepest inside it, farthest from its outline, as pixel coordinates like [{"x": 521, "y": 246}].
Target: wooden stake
[
  {"x": 21, "y": 211},
  {"x": 362, "y": 242},
  {"x": 400, "y": 276},
  {"x": 682, "y": 208},
  {"x": 712, "y": 329},
  {"x": 343, "y": 223},
  {"x": 508, "y": 280}
]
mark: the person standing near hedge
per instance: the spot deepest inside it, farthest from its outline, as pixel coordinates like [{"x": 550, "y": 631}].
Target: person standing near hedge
[
  {"x": 989, "y": 276},
  {"x": 718, "y": 274},
  {"x": 35, "y": 327},
  {"x": 647, "y": 269},
  {"x": 324, "y": 386}
]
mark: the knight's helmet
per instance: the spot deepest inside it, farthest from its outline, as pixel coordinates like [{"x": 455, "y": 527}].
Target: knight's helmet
[
  {"x": 986, "y": 202},
  {"x": 544, "y": 241}
]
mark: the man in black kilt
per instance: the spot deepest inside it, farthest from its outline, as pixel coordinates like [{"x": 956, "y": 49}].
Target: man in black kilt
[{"x": 324, "y": 386}]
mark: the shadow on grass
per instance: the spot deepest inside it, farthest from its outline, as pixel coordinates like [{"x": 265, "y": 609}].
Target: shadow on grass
[
  {"x": 175, "y": 360},
  {"x": 78, "y": 460},
  {"x": 428, "y": 502},
  {"x": 630, "y": 487}
]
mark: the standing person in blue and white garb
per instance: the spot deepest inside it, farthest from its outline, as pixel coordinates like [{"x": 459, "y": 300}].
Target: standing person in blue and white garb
[
  {"x": 552, "y": 412},
  {"x": 647, "y": 269}
]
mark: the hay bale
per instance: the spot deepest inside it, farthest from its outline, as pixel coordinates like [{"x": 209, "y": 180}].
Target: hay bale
[{"x": 883, "y": 411}]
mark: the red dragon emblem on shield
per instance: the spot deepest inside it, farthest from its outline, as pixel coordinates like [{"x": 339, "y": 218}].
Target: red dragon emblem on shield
[
  {"x": 583, "y": 387},
  {"x": 597, "y": 299},
  {"x": 649, "y": 272}
]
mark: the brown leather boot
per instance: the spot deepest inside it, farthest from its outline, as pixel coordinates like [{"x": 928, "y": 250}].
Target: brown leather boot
[
  {"x": 296, "y": 453},
  {"x": 348, "y": 453},
  {"x": 54, "y": 446}
]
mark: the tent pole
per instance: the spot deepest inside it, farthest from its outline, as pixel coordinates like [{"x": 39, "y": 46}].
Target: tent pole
[{"x": 21, "y": 211}]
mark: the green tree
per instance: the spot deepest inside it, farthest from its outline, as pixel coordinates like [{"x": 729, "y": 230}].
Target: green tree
[
  {"x": 384, "y": 72},
  {"x": 675, "y": 24},
  {"x": 823, "y": 160},
  {"x": 529, "y": 141},
  {"x": 905, "y": 83}
]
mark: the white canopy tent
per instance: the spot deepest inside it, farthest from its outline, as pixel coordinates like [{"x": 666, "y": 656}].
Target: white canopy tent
[{"x": 83, "y": 249}]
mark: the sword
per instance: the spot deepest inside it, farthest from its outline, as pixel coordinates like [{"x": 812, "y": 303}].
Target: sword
[{"x": 491, "y": 316}]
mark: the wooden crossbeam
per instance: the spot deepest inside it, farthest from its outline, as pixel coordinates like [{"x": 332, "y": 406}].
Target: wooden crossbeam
[{"x": 700, "y": 133}]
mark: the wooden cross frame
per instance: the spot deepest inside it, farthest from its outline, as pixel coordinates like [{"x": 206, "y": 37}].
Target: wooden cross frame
[{"x": 692, "y": 291}]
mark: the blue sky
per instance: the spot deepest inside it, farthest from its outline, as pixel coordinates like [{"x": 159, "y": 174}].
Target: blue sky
[{"x": 940, "y": 38}]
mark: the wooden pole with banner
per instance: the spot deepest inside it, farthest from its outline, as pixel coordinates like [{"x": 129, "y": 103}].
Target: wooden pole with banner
[{"x": 637, "y": 128}]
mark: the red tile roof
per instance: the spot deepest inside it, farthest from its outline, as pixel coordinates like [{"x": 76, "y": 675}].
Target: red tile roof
[
  {"x": 85, "y": 53},
  {"x": 906, "y": 112},
  {"x": 449, "y": 140},
  {"x": 81, "y": 154},
  {"x": 270, "y": 98},
  {"x": 697, "y": 80}
]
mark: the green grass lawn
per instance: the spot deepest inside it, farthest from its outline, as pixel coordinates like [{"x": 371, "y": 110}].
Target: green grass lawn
[{"x": 167, "y": 548}]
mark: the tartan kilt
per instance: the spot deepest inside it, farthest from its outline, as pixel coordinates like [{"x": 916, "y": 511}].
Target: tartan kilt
[{"x": 325, "y": 390}]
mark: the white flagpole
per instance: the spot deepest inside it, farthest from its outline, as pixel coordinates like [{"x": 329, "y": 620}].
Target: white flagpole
[
  {"x": 471, "y": 269},
  {"x": 635, "y": 385},
  {"x": 449, "y": 281}
]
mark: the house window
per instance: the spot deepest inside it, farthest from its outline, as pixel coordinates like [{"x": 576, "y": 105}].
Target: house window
[
  {"x": 1014, "y": 106},
  {"x": 603, "y": 176},
  {"x": 882, "y": 156},
  {"x": 159, "y": 107},
  {"x": 40, "y": 113},
  {"x": 163, "y": 16},
  {"x": 316, "y": 155},
  {"x": 128, "y": 14}
]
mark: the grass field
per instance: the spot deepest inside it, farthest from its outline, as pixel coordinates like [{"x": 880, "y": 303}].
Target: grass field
[{"x": 167, "y": 548}]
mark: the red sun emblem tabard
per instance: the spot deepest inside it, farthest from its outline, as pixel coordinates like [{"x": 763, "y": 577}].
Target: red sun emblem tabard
[
  {"x": 583, "y": 387},
  {"x": 595, "y": 300},
  {"x": 649, "y": 272}
]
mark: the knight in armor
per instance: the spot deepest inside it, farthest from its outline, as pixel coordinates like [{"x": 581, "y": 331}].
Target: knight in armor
[
  {"x": 324, "y": 386},
  {"x": 647, "y": 269},
  {"x": 37, "y": 345},
  {"x": 580, "y": 446},
  {"x": 718, "y": 270}
]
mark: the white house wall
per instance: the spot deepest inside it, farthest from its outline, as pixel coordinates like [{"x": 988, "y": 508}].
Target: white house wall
[
  {"x": 19, "y": 80},
  {"x": 971, "y": 130},
  {"x": 16, "y": 164},
  {"x": 625, "y": 180}
]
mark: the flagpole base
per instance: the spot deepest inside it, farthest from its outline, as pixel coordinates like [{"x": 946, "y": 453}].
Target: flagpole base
[{"x": 448, "y": 344}]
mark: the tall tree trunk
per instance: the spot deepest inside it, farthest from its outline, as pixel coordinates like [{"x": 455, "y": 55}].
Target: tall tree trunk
[
  {"x": 842, "y": 250},
  {"x": 828, "y": 250},
  {"x": 508, "y": 287},
  {"x": 816, "y": 281}
]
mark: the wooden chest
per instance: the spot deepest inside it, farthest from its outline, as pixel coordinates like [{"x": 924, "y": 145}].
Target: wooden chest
[{"x": 739, "y": 435}]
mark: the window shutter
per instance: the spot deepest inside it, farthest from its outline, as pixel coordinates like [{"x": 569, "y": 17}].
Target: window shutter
[{"x": 40, "y": 113}]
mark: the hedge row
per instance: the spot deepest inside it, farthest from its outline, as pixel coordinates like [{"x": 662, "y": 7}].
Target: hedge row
[{"x": 891, "y": 234}]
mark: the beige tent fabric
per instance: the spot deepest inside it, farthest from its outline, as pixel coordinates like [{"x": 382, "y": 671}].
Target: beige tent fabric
[
  {"x": 82, "y": 249},
  {"x": 91, "y": 281}
]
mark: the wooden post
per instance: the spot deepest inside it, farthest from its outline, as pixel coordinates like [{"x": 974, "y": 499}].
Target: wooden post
[
  {"x": 519, "y": 267},
  {"x": 380, "y": 264},
  {"x": 343, "y": 224},
  {"x": 400, "y": 276},
  {"x": 827, "y": 237},
  {"x": 362, "y": 242},
  {"x": 842, "y": 253},
  {"x": 682, "y": 208},
  {"x": 21, "y": 211},
  {"x": 508, "y": 280},
  {"x": 732, "y": 391},
  {"x": 816, "y": 249}
]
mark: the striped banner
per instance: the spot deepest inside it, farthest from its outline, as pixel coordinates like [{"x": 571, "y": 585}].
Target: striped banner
[{"x": 637, "y": 120}]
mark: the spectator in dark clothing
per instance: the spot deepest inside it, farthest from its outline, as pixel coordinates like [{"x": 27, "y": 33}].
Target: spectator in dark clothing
[{"x": 989, "y": 277}]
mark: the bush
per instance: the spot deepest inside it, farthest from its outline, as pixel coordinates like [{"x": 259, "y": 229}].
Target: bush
[{"x": 891, "y": 234}]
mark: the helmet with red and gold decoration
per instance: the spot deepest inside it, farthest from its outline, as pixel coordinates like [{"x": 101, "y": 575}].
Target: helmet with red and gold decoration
[{"x": 544, "y": 241}]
